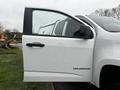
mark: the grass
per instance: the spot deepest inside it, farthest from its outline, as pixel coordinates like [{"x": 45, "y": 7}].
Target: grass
[{"x": 11, "y": 72}]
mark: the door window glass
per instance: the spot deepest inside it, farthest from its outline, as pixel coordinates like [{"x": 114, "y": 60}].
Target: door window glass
[{"x": 53, "y": 24}]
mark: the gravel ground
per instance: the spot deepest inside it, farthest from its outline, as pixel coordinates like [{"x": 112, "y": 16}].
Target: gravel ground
[{"x": 74, "y": 86}]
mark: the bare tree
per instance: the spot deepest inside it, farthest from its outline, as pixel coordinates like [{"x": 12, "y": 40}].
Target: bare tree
[
  {"x": 106, "y": 12},
  {"x": 1, "y": 27},
  {"x": 99, "y": 12},
  {"x": 8, "y": 33},
  {"x": 114, "y": 10},
  {"x": 15, "y": 30}
]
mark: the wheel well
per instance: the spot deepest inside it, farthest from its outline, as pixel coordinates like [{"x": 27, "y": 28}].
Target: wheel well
[{"x": 109, "y": 74}]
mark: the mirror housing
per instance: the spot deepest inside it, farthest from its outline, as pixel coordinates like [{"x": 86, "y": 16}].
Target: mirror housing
[{"x": 84, "y": 32}]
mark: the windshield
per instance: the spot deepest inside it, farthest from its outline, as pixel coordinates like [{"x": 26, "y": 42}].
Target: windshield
[{"x": 107, "y": 23}]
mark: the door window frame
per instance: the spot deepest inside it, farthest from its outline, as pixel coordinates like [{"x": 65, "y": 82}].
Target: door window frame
[{"x": 28, "y": 18}]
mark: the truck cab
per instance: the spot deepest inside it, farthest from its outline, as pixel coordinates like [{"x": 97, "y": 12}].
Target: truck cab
[{"x": 58, "y": 47}]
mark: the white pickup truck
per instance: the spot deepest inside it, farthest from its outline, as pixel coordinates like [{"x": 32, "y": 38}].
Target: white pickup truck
[{"x": 58, "y": 47}]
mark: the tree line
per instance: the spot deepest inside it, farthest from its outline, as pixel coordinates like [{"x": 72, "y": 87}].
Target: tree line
[{"x": 113, "y": 12}]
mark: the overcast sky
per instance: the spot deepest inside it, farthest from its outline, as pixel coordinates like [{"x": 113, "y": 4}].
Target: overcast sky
[{"x": 11, "y": 11}]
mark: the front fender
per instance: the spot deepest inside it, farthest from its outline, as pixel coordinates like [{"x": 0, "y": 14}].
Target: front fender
[{"x": 98, "y": 67}]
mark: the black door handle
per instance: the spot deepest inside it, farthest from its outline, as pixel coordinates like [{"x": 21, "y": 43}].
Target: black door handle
[{"x": 35, "y": 45}]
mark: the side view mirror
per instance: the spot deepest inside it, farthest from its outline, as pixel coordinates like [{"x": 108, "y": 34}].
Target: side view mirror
[{"x": 84, "y": 32}]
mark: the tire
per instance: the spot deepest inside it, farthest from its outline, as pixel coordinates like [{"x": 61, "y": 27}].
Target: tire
[{"x": 115, "y": 86}]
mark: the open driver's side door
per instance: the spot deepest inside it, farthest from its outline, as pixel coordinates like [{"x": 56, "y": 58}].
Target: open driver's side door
[{"x": 55, "y": 47}]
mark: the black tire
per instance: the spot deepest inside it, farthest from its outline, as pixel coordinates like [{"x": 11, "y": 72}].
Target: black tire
[{"x": 115, "y": 86}]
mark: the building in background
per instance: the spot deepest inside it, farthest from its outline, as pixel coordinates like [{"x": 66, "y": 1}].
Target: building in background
[{"x": 3, "y": 37}]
